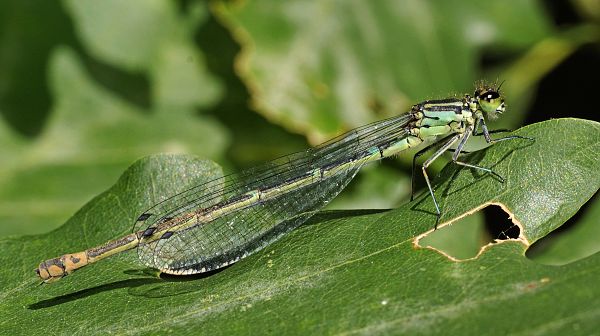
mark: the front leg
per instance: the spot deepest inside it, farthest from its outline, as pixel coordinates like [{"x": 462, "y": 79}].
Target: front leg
[
  {"x": 486, "y": 133},
  {"x": 459, "y": 148}
]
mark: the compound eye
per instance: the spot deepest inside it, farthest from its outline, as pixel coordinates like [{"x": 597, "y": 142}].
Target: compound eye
[{"x": 489, "y": 95}]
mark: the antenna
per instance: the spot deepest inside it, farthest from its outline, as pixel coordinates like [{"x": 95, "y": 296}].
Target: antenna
[{"x": 499, "y": 86}]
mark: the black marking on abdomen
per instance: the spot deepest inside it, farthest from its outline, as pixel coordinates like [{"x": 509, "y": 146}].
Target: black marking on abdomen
[
  {"x": 336, "y": 164},
  {"x": 148, "y": 232},
  {"x": 298, "y": 178},
  {"x": 234, "y": 199},
  {"x": 143, "y": 217},
  {"x": 287, "y": 182}
]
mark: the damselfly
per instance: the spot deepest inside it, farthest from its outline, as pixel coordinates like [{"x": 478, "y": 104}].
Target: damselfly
[{"x": 221, "y": 221}]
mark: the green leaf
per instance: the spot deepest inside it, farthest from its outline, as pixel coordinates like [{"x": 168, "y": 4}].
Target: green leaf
[
  {"x": 462, "y": 240},
  {"x": 342, "y": 272},
  {"x": 150, "y": 36},
  {"x": 372, "y": 189},
  {"x": 576, "y": 243},
  {"x": 78, "y": 77},
  {"x": 91, "y": 137},
  {"x": 321, "y": 67},
  {"x": 28, "y": 32}
]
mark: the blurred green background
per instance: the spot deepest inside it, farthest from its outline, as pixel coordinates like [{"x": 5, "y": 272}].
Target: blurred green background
[{"x": 87, "y": 87}]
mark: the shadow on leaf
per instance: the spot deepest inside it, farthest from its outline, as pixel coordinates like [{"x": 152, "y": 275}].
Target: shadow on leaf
[{"x": 130, "y": 283}]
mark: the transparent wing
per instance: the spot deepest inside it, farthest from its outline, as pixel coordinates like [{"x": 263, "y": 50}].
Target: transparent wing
[
  {"x": 229, "y": 237},
  {"x": 235, "y": 235}
]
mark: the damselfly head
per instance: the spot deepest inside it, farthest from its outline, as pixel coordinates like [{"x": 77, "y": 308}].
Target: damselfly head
[{"x": 490, "y": 100}]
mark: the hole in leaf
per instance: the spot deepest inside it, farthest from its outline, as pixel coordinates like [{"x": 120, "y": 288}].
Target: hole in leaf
[
  {"x": 498, "y": 224},
  {"x": 465, "y": 237}
]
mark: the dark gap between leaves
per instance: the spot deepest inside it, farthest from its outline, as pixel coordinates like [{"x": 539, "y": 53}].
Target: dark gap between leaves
[{"x": 498, "y": 224}]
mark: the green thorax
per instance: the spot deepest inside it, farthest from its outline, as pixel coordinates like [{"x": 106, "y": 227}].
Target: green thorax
[{"x": 443, "y": 116}]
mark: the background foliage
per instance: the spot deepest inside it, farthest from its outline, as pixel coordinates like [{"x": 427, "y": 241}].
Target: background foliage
[{"x": 88, "y": 87}]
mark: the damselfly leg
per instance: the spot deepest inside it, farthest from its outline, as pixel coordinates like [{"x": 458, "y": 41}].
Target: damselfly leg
[{"x": 448, "y": 142}]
